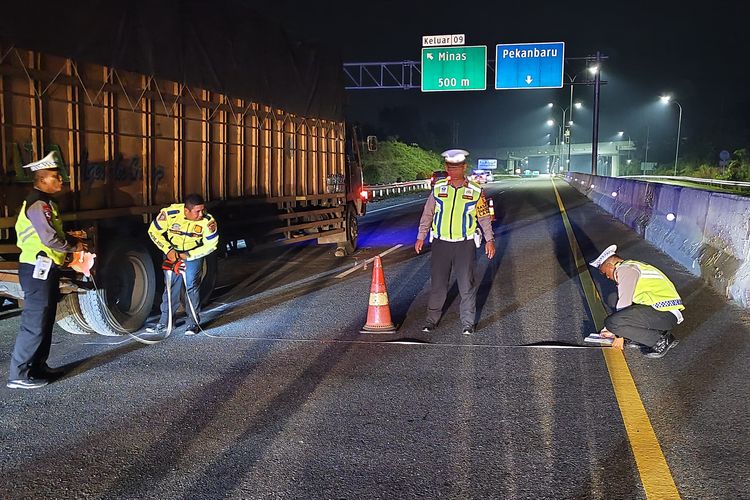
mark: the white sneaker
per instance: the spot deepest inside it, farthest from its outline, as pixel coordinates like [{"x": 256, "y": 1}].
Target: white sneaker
[
  {"x": 192, "y": 330},
  {"x": 157, "y": 329}
]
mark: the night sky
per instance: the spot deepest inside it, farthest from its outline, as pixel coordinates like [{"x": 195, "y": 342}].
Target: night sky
[{"x": 697, "y": 53}]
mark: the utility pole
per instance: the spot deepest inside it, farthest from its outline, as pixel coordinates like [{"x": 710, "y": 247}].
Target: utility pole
[{"x": 646, "y": 158}]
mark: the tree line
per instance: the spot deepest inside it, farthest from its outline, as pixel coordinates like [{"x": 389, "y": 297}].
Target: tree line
[
  {"x": 737, "y": 168},
  {"x": 395, "y": 161}
]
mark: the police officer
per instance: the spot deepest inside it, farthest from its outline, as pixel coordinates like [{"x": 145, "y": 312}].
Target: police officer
[
  {"x": 43, "y": 246},
  {"x": 186, "y": 234},
  {"x": 452, "y": 212},
  {"x": 648, "y": 305}
]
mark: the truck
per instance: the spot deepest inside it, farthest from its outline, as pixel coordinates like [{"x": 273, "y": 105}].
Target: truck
[{"x": 138, "y": 124}]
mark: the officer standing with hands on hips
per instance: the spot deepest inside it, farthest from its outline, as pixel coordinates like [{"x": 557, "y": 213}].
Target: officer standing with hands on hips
[
  {"x": 648, "y": 305},
  {"x": 44, "y": 247},
  {"x": 451, "y": 214},
  {"x": 186, "y": 234}
]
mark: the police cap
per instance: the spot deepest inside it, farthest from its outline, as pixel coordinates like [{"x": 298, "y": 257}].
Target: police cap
[
  {"x": 49, "y": 162},
  {"x": 606, "y": 254},
  {"x": 455, "y": 156}
]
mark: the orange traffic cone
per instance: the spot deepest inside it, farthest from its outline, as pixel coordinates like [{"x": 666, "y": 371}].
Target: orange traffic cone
[{"x": 378, "y": 311}]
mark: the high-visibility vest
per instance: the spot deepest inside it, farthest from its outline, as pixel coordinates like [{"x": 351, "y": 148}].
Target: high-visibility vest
[
  {"x": 29, "y": 242},
  {"x": 171, "y": 230},
  {"x": 654, "y": 288},
  {"x": 455, "y": 217}
]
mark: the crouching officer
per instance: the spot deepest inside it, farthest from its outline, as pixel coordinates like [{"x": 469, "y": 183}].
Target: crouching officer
[
  {"x": 648, "y": 305},
  {"x": 452, "y": 212},
  {"x": 186, "y": 234},
  {"x": 44, "y": 247}
]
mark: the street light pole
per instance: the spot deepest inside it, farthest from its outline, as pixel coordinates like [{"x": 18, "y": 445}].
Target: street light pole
[
  {"x": 559, "y": 131},
  {"x": 595, "y": 133},
  {"x": 666, "y": 99},
  {"x": 570, "y": 128},
  {"x": 559, "y": 142},
  {"x": 677, "y": 149}
]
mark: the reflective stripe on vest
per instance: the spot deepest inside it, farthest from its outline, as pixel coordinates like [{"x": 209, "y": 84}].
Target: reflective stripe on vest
[
  {"x": 455, "y": 217},
  {"x": 28, "y": 240},
  {"x": 654, "y": 288}
]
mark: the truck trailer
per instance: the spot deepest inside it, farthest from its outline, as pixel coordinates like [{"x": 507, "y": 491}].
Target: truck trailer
[{"x": 137, "y": 125}]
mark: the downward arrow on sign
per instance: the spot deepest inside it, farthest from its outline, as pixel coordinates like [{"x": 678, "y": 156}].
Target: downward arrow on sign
[{"x": 529, "y": 79}]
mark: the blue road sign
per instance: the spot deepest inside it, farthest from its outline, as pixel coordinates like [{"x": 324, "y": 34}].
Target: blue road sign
[{"x": 529, "y": 65}]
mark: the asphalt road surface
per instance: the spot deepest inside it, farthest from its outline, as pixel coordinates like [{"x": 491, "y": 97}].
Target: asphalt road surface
[{"x": 282, "y": 397}]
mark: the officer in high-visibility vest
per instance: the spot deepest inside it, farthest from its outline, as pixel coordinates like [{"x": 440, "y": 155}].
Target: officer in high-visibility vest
[
  {"x": 44, "y": 247},
  {"x": 648, "y": 305},
  {"x": 452, "y": 213},
  {"x": 185, "y": 233}
]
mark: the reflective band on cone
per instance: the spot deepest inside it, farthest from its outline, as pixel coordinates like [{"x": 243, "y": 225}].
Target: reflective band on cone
[
  {"x": 378, "y": 299},
  {"x": 378, "y": 311}
]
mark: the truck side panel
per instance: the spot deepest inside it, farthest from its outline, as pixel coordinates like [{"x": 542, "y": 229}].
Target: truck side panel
[{"x": 132, "y": 140}]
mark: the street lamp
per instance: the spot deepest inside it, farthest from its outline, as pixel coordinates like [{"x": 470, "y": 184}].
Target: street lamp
[
  {"x": 577, "y": 105},
  {"x": 666, "y": 99}
]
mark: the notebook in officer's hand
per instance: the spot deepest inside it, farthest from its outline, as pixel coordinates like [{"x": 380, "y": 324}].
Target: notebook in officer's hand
[{"x": 595, "y": 338}]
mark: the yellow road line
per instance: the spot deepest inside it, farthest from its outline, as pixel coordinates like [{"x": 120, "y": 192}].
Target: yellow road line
[{"x": 655, "y": 475}]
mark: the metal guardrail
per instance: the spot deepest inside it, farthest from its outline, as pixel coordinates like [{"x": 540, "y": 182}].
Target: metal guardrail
[
  {"x": 380, "y": 190},
  {"x": 699, "y": 180}
]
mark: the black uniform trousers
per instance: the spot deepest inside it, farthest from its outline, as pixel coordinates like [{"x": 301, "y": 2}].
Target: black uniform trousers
[
  {"x": 640, "y": 323},
  {"x": 461, "y": 256},
  {"x": 37, "y": 319}
]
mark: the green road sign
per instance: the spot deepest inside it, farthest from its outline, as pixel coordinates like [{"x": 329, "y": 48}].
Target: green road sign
[{"x": 454, "y": 68}]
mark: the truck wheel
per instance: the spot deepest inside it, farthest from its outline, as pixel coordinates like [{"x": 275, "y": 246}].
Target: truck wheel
[
  {"x": 126, "y": 284},
  {"x": 352, "y": 231},
  {"x": 69, "y": 316}
]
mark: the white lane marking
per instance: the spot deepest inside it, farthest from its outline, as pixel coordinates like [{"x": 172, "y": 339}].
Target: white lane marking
[
  {"x": 394, "y": 206},
  {"x": 363, "y": 264}
]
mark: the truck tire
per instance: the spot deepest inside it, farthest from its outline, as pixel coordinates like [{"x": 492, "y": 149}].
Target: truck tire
[
  {"x": 69, "y": 316},
  {"x": 126, "y": 284},
  {"x": 352, "y": 230}
]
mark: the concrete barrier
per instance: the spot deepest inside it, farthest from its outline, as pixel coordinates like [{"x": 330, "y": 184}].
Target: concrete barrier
[
  {"x": 725, "y": 253},
  {"x": 706, "y": 232},
  {"x": 682, "y": 237}
]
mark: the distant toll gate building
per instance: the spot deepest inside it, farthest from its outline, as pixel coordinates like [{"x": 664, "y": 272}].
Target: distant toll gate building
[{"x": 611, "y": 157}]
